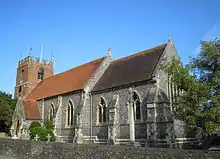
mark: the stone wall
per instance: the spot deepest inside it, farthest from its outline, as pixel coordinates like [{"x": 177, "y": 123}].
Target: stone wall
[
  {"x": 180, "y": 129},
  {"x": 152, "y": 112},
  {"x": 24, "y": 149},
  {"x": 85, "y": 121},
  {"x": 63, "y": 132}
]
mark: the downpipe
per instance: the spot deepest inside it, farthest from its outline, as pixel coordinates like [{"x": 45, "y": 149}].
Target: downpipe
[{"x": 90, "y": 97}]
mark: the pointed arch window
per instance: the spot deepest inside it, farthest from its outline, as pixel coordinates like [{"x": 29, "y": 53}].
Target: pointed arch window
[
  {"x": 22, "y": 74},
  {"x": 41, "y": 73},
  {"x": 136, "y": 106},
  {"x": 102, "y": 111},
  {"x": 51, "y": 112},
  {"x": 20, "y": 91},
  {"x": 69, "y": 114}
]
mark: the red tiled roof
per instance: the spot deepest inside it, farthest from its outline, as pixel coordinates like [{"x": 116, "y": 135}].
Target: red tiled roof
[
  {"x": 31, "y": 110},
  {"x": 73, "y": 79}
]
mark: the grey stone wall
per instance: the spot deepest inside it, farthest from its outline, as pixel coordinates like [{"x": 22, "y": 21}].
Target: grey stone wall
[
  {"x": 98, "y": 73},
  {"x": 24, "y": 149},
  {"x": 63, "y": 132},
  {"x": 156, "y": 116},
  {"x": 85, "y": 123},
  {"x": 81, "y": 103},
  {"x": 143, "y": 127},
  {"x": 156, "y": 122},
  {"x": 19, "y": 114},
  {"x": 179, "y": 128}
]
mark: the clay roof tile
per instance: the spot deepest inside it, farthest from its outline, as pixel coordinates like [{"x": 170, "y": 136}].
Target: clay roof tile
[{"x": 71, "y": 80}]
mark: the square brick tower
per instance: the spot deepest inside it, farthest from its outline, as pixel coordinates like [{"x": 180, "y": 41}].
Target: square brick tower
[{"x": 29, "y": 73}]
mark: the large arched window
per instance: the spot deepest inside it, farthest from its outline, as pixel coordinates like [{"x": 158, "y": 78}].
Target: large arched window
[
  {"x": 51, "y": 112},
  {"x": 137, "y": 106},
  {"x": 69, "y": 114},
  {"x": 102, "y": 111}
]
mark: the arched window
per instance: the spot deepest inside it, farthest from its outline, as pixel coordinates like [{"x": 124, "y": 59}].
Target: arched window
[
  {"x": 22, "y": 74},
  {"x": 41, "y": 73},
  {"x": 69, "y": 114},
  {"x": 51, "y": 112},
  {"x": 137, "y": 106},
  {"x": 102, "y": 111},
  {"x": 20, "y": 91}
]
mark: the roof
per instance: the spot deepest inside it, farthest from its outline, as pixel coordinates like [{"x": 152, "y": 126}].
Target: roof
[
  {"x": 134, "y": 68},
  {"x": 71, "y": 80},
  {"x": 31, "y": 110}
]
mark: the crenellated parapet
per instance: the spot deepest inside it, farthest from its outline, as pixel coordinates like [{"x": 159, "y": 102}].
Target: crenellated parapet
[{"x": 31, "y": 59}]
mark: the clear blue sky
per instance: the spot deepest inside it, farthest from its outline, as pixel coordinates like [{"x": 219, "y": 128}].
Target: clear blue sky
[{"x": 79, "y": 31}]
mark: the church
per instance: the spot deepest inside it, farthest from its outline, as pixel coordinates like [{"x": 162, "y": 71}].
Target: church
[{"x": 117, "y": 101}]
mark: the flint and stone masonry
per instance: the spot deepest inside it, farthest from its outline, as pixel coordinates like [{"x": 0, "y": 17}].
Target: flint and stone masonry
[{"x": 104, "y": 101}]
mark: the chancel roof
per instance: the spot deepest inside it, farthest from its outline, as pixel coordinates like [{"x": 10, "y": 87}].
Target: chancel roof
[{"x": 134, "y": 68}]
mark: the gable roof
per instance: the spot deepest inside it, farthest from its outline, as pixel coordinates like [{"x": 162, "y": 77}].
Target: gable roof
[
  {"x": 134, "y": 68},
  {"x": 73, "y": 79},
  {"x": 31, "y": 110}
]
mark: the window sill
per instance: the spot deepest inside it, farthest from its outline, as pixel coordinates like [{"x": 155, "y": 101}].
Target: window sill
[
  {"x": 137, "y": 121},
  {"x": 68, "y": 126},
  {"x": 102, "y": 124}
]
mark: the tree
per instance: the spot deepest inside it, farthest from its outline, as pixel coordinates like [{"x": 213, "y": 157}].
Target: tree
[
  {"x": 7, "y": 106},
  {"x": 199, "y": 104}
]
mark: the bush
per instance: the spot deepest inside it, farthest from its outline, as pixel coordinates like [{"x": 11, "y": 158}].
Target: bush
[
  {"x": 41, "y": 131},
  {"x": 49, "y": 124},
  {"x": 34, "y": 124}
]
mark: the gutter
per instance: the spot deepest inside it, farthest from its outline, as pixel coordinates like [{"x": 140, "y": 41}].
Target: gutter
[{"x": 151, "y": 80}]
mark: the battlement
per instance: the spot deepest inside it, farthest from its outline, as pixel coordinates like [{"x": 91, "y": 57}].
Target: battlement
[
  {"x": 29, "y": 59},
  {"x": 29, "y": 75}
]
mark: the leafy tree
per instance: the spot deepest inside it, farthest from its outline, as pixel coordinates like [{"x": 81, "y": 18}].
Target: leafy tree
[
  {"x": 7, "y": 106},
  {"x": 199, "y": 104}
]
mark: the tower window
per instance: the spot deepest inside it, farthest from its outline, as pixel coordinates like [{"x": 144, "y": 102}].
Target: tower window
[
  {"x": 41, "y": 74},
  {"x": 22, "y": 74},
  {"x": 19, "y": 91}
]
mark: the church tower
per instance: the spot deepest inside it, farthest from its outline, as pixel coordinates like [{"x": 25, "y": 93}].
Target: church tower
[{"x": 29, "y": 73}]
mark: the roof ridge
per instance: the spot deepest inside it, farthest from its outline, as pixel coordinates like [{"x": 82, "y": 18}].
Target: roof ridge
[
  {"x": 29, "y": 100},
  {"x": 140, "y": 53}
]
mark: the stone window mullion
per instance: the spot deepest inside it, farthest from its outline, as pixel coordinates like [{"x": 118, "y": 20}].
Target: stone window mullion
[
  {"x": 66, "y": 115},
  {"x": 102, "y": 114},
  {"x": 70, "y": 115},
  {"x": 141, "y": 111},
  {"x": 68, "y": 118},
  {"x": 135, "y": 110}
]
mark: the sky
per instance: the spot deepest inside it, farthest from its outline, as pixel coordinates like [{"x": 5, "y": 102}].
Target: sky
[{"x": 82, "y": 30}]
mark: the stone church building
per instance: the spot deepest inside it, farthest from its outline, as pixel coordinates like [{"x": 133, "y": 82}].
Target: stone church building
[{"x": 103, "y": 101}]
